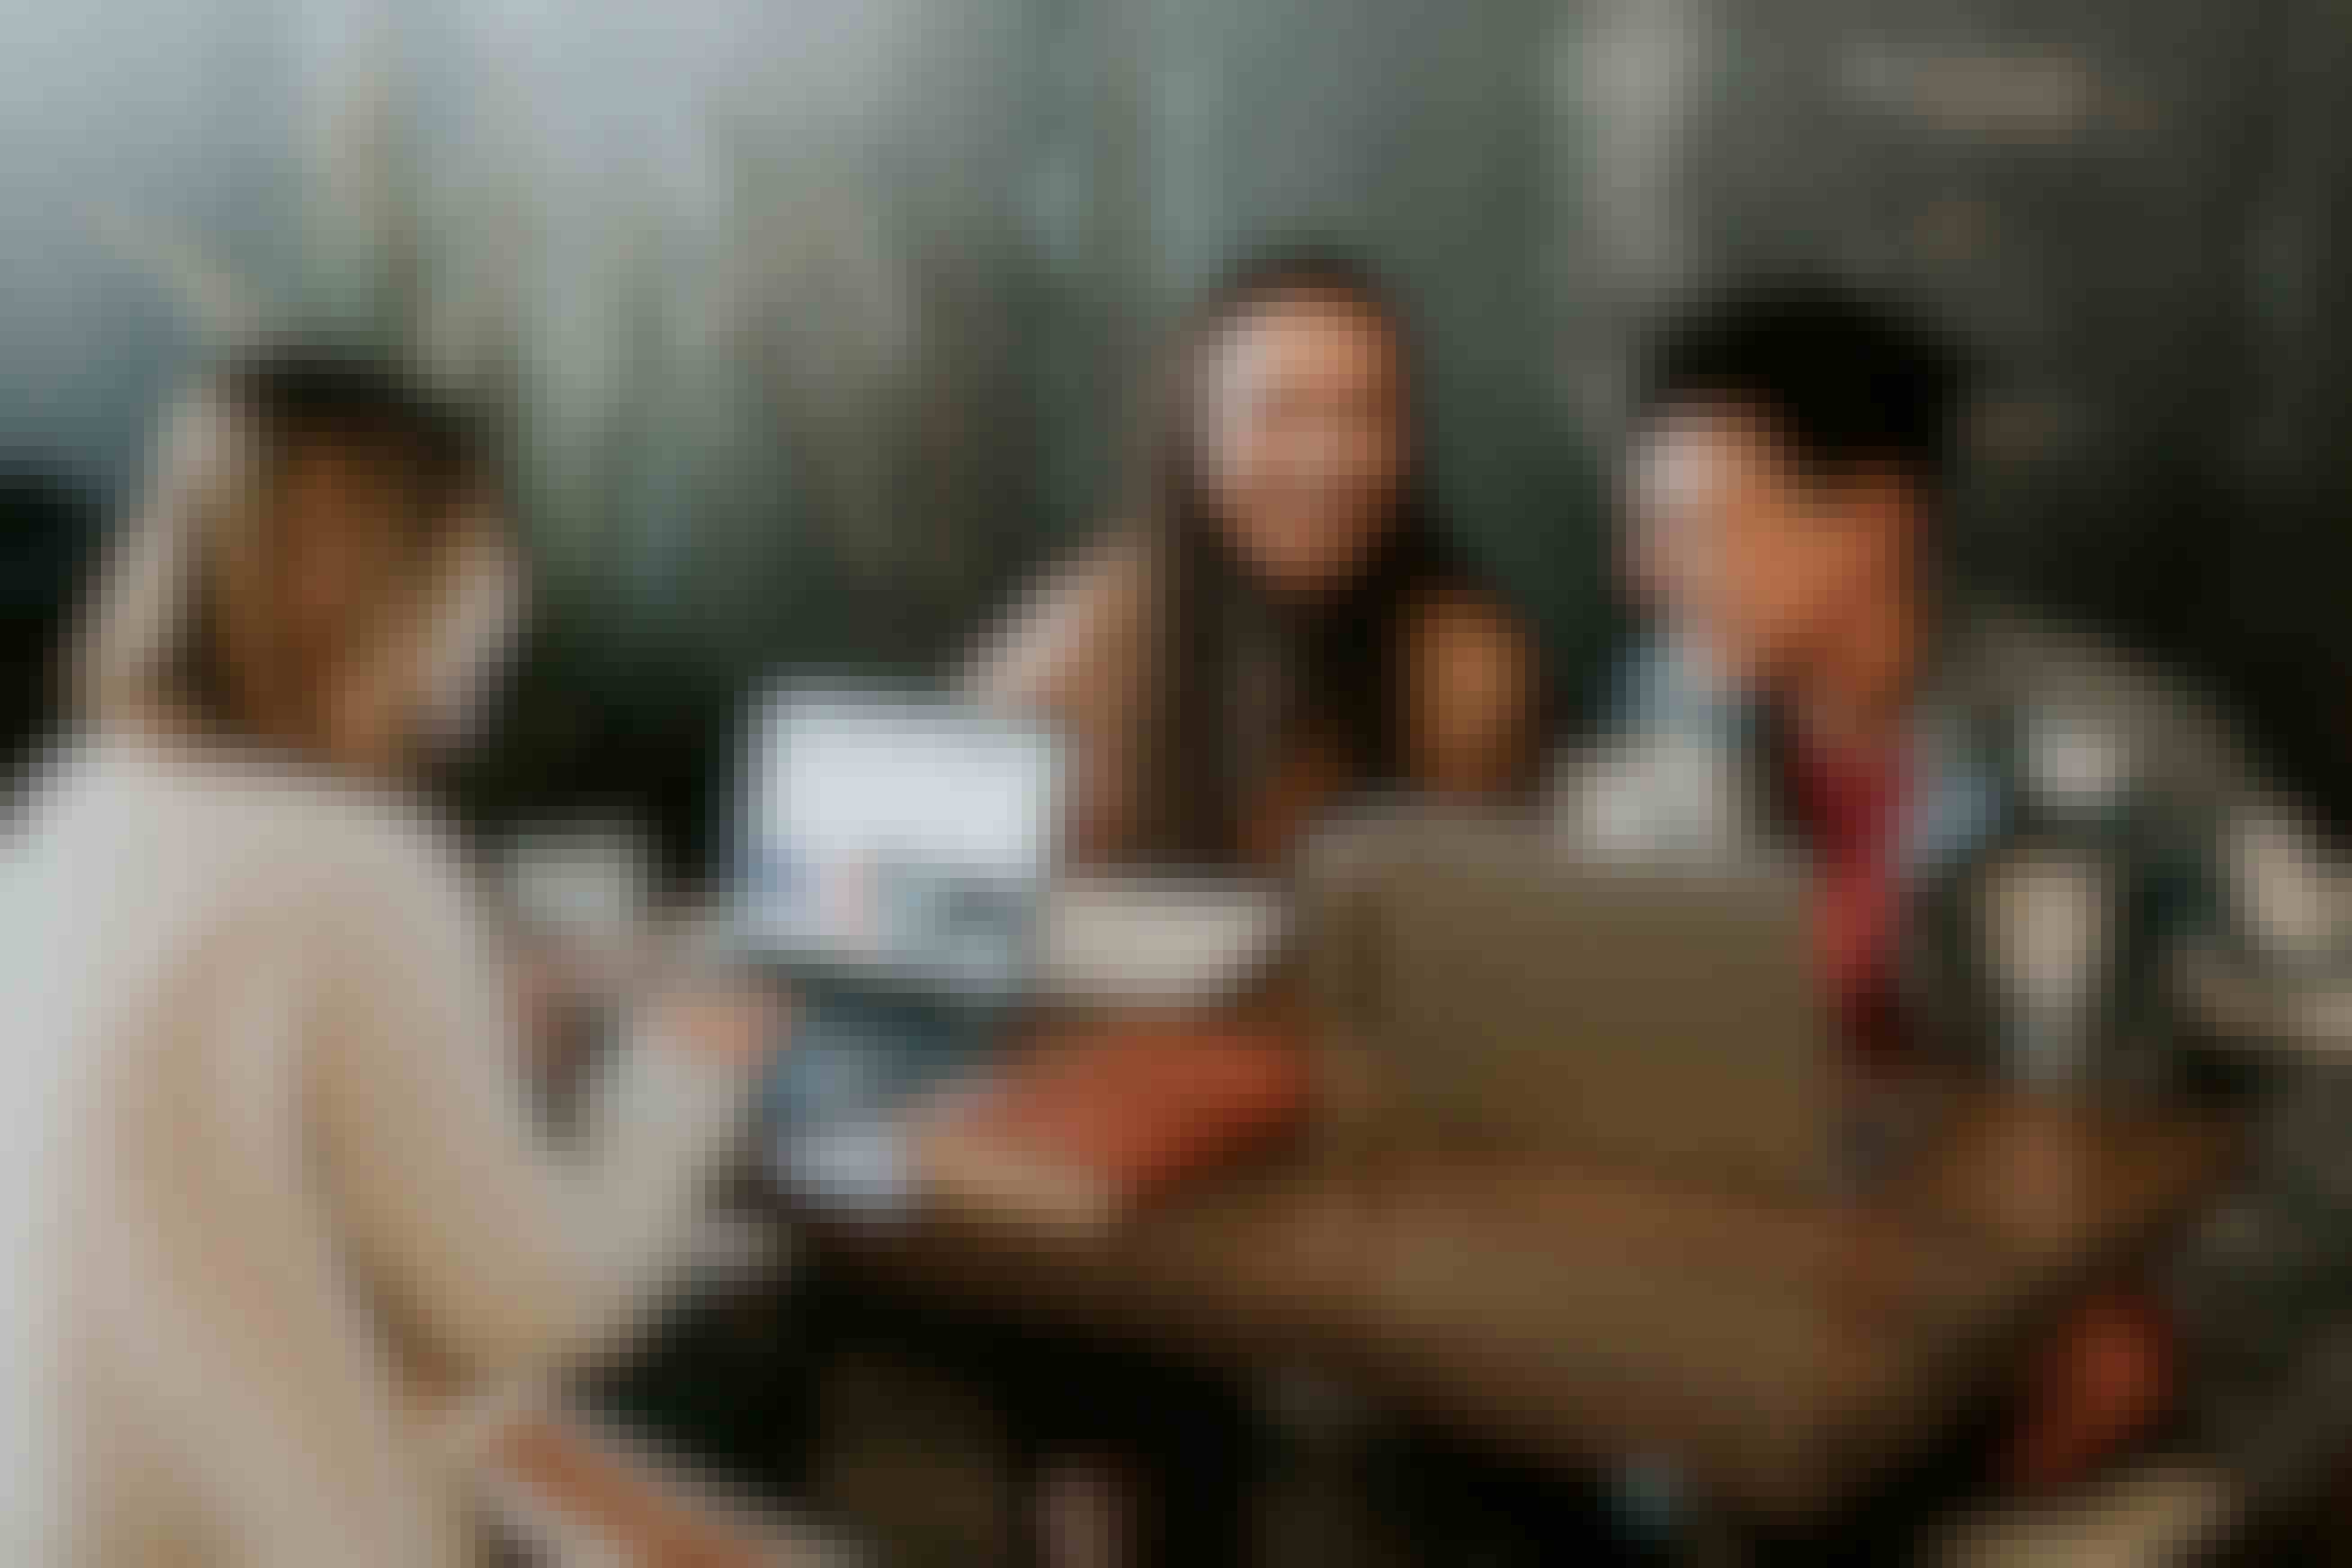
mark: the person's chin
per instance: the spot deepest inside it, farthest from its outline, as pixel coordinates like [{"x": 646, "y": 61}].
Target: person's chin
[
  {"x": 1309, "y": 583},
  {"x": 1728, "y": 665}
]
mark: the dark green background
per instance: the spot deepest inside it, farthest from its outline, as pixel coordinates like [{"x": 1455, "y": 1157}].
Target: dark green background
[{"x": 816, "y": 324}]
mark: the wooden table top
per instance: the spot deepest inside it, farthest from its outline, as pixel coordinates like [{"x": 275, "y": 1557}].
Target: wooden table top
[{"x": 1788, "y": 1350}]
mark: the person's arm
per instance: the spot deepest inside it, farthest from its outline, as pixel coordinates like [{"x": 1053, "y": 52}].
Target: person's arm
[
  {"x": 1473, "y": 699},
  {"x": 2258, "y": 1293},
  {"x": 1073, "y": 652},
  {"x": 2247, "y": 1311},
  {"x": 2109, "y": 1375},
  {"x": 491, "y": 1246},
  {"x": 2261, "y": 1294}
]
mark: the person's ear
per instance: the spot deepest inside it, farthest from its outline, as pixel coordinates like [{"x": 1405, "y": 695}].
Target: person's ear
[{"x": 1886, "y": 501}]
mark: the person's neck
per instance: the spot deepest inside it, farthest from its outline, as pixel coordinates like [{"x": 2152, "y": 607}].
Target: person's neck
[
  {"x": 1855, "y": 695},
  {"x": 358, "y": 757}
]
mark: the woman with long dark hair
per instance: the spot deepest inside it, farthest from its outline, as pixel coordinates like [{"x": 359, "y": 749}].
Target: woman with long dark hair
[
  {"x": 1278, "y": 623},
  {"x": 1282, "y": 620}
]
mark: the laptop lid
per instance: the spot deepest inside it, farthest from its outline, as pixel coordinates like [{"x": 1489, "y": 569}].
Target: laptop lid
[
  {"x": 1661, "y": 1015},
  {"x": 897, "y": 841}
]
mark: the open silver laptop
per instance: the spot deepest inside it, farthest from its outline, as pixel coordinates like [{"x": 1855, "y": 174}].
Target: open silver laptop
[
  {"x": 895, "y": 841},
  {"x": 1514, "y": 990},
  {"x": 894, "y": 854}
]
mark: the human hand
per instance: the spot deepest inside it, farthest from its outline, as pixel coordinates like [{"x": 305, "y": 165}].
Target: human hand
[
  {"x": 557, "y": 993},
  {"x": 734, "y": 1023},
  {"x": 2104, "y": 1380}
]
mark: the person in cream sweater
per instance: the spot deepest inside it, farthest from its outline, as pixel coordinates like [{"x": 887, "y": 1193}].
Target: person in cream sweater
[{"x": 274, "y": 1169}]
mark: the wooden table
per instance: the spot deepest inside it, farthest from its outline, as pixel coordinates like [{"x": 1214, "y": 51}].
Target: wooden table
[{"x": 1788, "y": 1351}]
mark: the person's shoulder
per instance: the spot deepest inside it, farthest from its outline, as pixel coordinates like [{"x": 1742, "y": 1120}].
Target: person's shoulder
[
  {"x": 2045, "y": 670},
  {"x": 386, "y": 897},
  {"x": 1079, "y": 624},
  {"x": 386, "y": 830},
  {"x": 2024, "y": 655},
  {"x": 1474, "y": 694},
  {"x": 1472, "y": 642},
  {"x": 308, "y": 840},
  {"x": 219, "y": 839}
]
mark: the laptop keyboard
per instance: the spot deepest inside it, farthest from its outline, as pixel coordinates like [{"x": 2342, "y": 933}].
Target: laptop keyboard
[{"x": 832, "y": 1104}]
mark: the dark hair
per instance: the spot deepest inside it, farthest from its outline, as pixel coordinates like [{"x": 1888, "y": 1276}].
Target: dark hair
[
  {"x": 209, "y": 508},
  {"x": 1844, "y": 379},
  {"x": 304, "y": 394},
  {"x": 1351, "y": 647}
]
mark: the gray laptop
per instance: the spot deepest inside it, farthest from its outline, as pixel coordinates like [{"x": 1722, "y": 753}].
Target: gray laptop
[{"x": 1506, "y": 989}]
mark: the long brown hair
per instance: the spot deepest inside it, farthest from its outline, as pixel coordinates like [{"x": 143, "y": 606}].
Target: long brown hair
[{"x": 1352, "y": 645}]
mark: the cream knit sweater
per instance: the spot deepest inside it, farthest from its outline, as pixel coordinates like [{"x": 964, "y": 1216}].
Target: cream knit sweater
[{"x": 265, "y": 1150}]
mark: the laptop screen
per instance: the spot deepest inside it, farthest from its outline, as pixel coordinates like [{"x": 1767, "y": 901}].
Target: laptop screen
[{"x": 897, "y": 838}]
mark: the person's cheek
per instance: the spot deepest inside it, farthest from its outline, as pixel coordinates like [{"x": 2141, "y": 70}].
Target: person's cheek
[
  {"x": 1798, "y": 565},
  {"x": 1382, "y": 470},
  {"x": 1840, "y": 576},
  {"x": 1735, "y": 577},
  {"x": 475, "y": 648},
  {"x": 1777, "y": 588},
  {"x": 1317, "y": 500},
  {"x": 1810, "y": 589},
  {"x": 1690, "y": 561},
  {"x": 1358, "y": 490},
  {"x": 1323, "y": 457},
  {"x": 1246, "y": 489},
  {"x": 1241, "y": 462}
]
